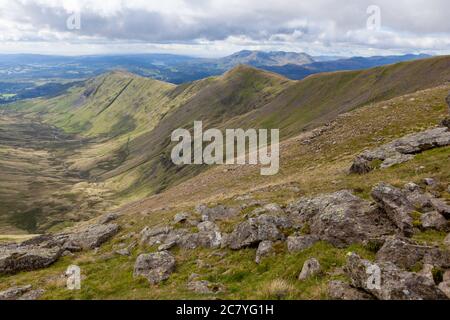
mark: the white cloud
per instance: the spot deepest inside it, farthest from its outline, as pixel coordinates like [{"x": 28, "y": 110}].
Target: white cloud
[{"x": 216, "y": 27}]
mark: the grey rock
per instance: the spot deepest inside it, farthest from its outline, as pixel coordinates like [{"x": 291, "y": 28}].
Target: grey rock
[
  {"x": 311, "y": 267},
  {"x": 395, "y": 284},
  {"x": 123, "y": 252},
  {"x": 107, "y": 218},
  {"x": 32, "y": 295},
  {"x": 14, "y": 293},
  {"x": 434, "y": 220},
  {"x": 255, "y": 230},
  {"x": 27, "y": 258},
  {"x": 216, "y": 213},
  {"x": 181, "y": 217},
  {"x": 401, "y": 150},
  {"x": 396, "y": 205},
  {"x": 338, "y": 290},
  {"x": 429, "y": 182},
  {"x": 204, "y": 287},
  {"x": 406, "y": 254},
  {"x": 265, "y": 248},
  {"x": 445, "y": 288},
  {"x": 340, "y": 218},
  {"x": 155, "y": 267},
  {"x": 441, "y": 207},
  {"x": 300, "y": 243},
  {"x": 92, "y": 236}
]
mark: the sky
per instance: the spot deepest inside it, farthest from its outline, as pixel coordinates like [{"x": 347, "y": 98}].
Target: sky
[{"x": 213, "y": 28}]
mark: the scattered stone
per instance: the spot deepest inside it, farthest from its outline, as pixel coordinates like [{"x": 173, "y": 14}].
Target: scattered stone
[
  {"x": 340, "y": 218},
  {"x": 311, "y": 267},
  {"x": 396, "y": 205},
  {"x": 300, "y": 243},
  {"x": 107, "y": 218},
  {"x": 204, "y": 287},
  {"x": 265, "y": 248},
  {"x": 401, "y": 150},
  {"x": 181, "y": 217},
  {"x": 429, "y": 182},
  {"x": 123, "y": 252},
  {"x": 434, "y": 220},
  {"x": 156, "y": 267},
  {"x": 394, "y": 284},
  {"x": 338, "y": 290}
]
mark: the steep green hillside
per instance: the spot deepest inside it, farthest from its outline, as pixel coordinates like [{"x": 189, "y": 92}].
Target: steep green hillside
[{"x": 126, "y": 121}]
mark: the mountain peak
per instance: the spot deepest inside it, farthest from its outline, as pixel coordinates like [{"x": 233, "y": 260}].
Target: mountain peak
[{"x": 263, "y": 58}]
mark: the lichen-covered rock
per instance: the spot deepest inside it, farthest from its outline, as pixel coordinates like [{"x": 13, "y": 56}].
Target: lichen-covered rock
[
  {"x": 255, "y": 230},
  {"x": 14, "y": 259},
  {"x": 300, "y": 243},
  {"x": 434, "y": 220},
  {"x": 92, "y": 236},
  {"x": 265, "y": 248},
  {"x": 338, "y": 290},
  {"x": 340, "y": 218},
  {"x": 311, "y": 267},
  {"x": 155, "y": 267},
  {"x": 107, "y": 218},
  {"x": 401, "y": 150},
  {"x": 180, "y": 217},
  {"x": 396, "y": 205},
  {"x": 407, "y": 254},
  {"x": 393, "y": 284}
]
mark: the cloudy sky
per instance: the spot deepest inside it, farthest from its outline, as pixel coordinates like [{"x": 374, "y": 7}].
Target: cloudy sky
[{"x": 220, "y": 27}]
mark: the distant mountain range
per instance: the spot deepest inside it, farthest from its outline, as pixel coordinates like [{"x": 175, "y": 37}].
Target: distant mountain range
[{"x": 29, "y": 76}]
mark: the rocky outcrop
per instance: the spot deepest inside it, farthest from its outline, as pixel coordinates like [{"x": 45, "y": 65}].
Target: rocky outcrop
[
  {"x": 14, "y": 259},
  {"x": 300, "y": 243},
  {"x": 21, "y": 293},
  {"x": 42, "y": 251},
  {"x": 311, "y": 267},
  {"x": 396, "y": 205},
  {"x": 407, "y": 254},
  {"x": 254, "y": 230},
  {"x": 401, "y": 150},
  {"x": 393, "y": 284},
  {"x": 155, "y": 267},
  {"x": 340, "y": 218},
  {"x": 338, "y": 290}
]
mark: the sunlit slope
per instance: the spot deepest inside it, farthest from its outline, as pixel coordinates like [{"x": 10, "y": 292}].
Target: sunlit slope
[{"x": 133, "y": 117}]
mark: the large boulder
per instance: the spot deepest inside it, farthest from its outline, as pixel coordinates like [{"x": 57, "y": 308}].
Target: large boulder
[
  {"x": 407, "y": 254},
  {"x": 393, "y": 283},
  {"x": 254, "y": 230},
  {"x": 14, "y": 259},
  {"x": 155, "y": 267},
  {"x": 340, "y": 218},
  {"x": 401, "y": 150},
  {"x": 396, "y": 205},
  {"x": 92, "y": 236}
]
